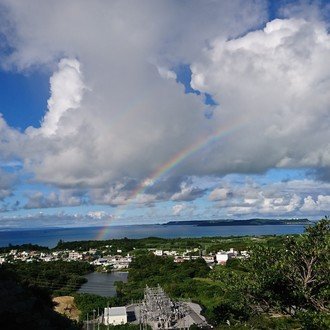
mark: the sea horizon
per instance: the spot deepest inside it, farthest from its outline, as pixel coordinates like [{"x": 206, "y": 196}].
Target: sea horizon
[{"x": 49, "y": 237}]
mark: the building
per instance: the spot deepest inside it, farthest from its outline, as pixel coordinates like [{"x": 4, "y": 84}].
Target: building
[
  {"x": 221, "y": 257},
  {"x": 73, "y": 255},
  {"x": 115, "y": 315}
]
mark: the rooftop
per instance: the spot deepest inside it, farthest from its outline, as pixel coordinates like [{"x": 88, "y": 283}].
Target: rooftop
[{"x": 115, "y": 311}]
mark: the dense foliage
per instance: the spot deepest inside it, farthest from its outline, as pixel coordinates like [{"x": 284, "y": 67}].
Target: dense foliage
[
  {"x": 284, "y": 284},
  {"x": 288, "y": 278},
  {"x": 175, "y": 278},
  {"x": 28, "y": 308},
  {"x": 87, "y": 303},
  {"x": 141, "y": 246},
  {"x": 291, "y": 281},
  {"x": 24, "y": 247},
  {"x": 56, "y": 277},
  {"x": 294, "y": 279}
]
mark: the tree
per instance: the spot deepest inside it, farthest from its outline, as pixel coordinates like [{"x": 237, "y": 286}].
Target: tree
[
  {"x": 307, "y": 266},
  {"x": 296, "y": 276}
]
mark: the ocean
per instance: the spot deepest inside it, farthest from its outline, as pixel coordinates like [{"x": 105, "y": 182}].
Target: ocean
[{"x": 49, "y": 237}]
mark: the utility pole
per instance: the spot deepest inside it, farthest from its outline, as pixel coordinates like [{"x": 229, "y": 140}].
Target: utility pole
[
  {"x": 108, "y": 317},
  {"x": 98, "y": 318},
  {"x": 140, "y": 315}
]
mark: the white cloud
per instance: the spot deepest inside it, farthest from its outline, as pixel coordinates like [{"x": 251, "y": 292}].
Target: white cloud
[
  {"x": 66, "y": 86},
  {"x": 131, "y": 121},
  {"x": 41, "y": 219},
  {"x": 165, "y": 73},
  {"x": 178, "y": 208},
  {"x": 39, "y": 199},
  {"x": 219, "y": 194},
  {"x": 320, "y": 204},
  {"x": 271, "y": 85},
  {"x": 279, "y": 199},
  {"x": 188, "y": 192},
  {"x": 7, "y": 184},
  {"x": 99, "y": 215}
]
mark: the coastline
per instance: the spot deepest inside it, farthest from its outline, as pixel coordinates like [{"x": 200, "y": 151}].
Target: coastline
[{"x": 50, "y": 237}]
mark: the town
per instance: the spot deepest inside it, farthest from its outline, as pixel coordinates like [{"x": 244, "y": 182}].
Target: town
[
  {"x": 118, "y": 261},
  {"x": 175, "y": 283},
  {"x": 156, "y": 310}
]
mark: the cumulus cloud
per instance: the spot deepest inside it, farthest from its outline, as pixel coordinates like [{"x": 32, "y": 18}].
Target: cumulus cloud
[
  {"x": 184, "y": 211},
  {"x": 271, "y": 86},
  {"x": 178, "y": 208},
  {"x": 165, "y": 73},
  {"x": 292, "y": 198},
  {"x": 40, "y": 199},
  {"x": 132, "y": 120},
  {"x": 41, "y": 219},
  {"x": 7, "y": 184},
  {"x": 188, "y": 193},
  {"x": 320, "y": 204},
  {"x": 99, "y": 215},
  {"x": 219, "y": 194},
  {"x": 66, "y": 86},
  {"x": 275, "y": 82}
]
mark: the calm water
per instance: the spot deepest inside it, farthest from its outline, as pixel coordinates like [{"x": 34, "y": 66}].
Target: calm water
[
  {"x": 102, "y": 284},
  {"x": 50, "y": 237}
]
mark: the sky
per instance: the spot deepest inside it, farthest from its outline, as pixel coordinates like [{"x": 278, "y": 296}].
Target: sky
[{"x": 126, "y": 112}]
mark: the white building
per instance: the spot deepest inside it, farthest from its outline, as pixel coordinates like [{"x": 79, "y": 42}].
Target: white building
[
  {"x": 232, "y": 253},
  {"x": 158, "y": 253},
  {"x": 208, "y": 259},
  {"x": 221, "y": 257},
  {"x": 245, "y": 254},
  {"x": 73, "y": 255},
  {"x": 115, "y": 315}
]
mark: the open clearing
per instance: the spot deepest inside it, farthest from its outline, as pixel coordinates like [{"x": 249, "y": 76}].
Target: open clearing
[{"x": 65, "y": 305}]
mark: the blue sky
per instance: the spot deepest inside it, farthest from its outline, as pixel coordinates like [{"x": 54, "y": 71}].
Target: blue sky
[
  {"x": 219, "y": 111},
  {"x": 24, "y": 98}
]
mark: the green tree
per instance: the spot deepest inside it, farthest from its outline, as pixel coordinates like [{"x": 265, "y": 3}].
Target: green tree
[
  {"x": 307, "y": 267},
  {"x": 295, "y": 276}
]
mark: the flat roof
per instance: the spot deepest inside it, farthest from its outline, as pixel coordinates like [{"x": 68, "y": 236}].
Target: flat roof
[{"x": 115, "y": 311}]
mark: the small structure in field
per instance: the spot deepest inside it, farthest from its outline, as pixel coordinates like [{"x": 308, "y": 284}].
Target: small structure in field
[{"x": 115, "y": 315}]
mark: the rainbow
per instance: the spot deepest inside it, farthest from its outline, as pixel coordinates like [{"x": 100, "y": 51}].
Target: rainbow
[{"x": 177, "y": 159}]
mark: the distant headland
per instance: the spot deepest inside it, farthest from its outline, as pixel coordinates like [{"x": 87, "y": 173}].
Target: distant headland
[{"x": 247, "y": 222}]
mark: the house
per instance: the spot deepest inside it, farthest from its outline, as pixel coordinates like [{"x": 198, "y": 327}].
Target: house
[
  {"x": 115, "y": 315},
  {"x": 158, "y": 253},
  {"x": 245, "y": 254},
  {"x": 178, "y": 259},
  {"x": 232, "y": 253},
  {"x": 73, "y": 255},
  {"x": 209, "y": 258},
  {"x": 221, "y": 257}
]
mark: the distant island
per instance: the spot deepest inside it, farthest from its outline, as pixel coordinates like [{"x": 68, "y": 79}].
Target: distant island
[{"x": 247, "y": 222}]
